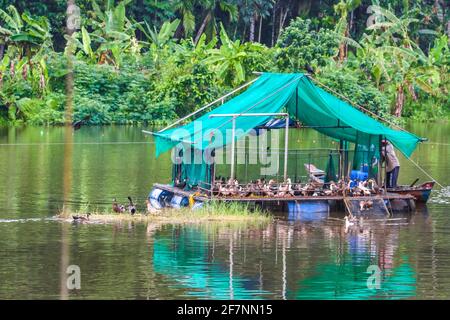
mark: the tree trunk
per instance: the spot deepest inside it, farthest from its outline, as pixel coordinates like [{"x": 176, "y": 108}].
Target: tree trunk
[
  {"x": 2, "y": 50},
  {"x": 202, "y": 27},
  {"x": 282, "y": 20},
  {"x": 272, "y": 42},
  {"x": 260, "y": 28},
  {"x": 351, "y": 20},
  {"x": 399, "y": 101},
  {"x": 343, "y": 48},
  {"x": 252, "y": 28},
  {"x": 412, "y": 91}
]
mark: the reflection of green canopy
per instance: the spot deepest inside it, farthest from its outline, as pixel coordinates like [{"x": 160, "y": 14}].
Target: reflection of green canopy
[
  {"x": 302, "y": 99},
  {"x": 349, "y": 282},
  {"x": 188, "y": 263}
]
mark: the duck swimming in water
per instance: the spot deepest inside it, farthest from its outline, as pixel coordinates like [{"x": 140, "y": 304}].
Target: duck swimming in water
[
  {"x": 79, "y": 218},
  {"x": 348, "y": 222}
]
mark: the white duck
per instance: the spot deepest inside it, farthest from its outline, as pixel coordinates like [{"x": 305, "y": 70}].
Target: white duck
[
  {"x": 285, "y": 189},
  {"x": 364, "y": 189},
  {"x": 348, "y": 222},
  {"x": 270, "y": 188}
]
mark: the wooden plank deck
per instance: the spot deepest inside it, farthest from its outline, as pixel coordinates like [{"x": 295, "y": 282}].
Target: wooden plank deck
[{"x": 178, "y": 191}]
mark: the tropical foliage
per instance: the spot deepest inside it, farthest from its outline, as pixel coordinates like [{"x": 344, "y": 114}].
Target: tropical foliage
[{"x": 152, "y": 61}]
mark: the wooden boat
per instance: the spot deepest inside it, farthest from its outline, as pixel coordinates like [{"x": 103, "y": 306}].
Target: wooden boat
[{"x": 421, "y": 192}]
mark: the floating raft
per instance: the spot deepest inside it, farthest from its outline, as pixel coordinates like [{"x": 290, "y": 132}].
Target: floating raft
[
  {"x": 175, "y": 190},
  {"x": 386, "y": 202}
]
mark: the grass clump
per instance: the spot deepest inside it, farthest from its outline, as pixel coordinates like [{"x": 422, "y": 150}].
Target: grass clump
[{"x": 211, "y": 211}]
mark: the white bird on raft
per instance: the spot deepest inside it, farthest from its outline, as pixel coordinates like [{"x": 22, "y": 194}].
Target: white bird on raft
[{"x": 285, "y": 189}]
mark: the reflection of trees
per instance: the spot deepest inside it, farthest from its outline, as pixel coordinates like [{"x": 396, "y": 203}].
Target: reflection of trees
[
  {"x": 427, "y": 241},
  {"x": 283, "y": 261}
]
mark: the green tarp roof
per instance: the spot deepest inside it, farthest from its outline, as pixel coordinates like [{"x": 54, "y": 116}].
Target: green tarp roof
[{"x": 303, "y": 100}]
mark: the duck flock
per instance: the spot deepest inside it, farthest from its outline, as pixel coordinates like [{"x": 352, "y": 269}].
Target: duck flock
[{"x": 273, "y": 189}]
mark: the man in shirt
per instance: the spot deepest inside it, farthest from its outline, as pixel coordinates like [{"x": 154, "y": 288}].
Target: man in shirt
[{"x": 392, "y": 164}]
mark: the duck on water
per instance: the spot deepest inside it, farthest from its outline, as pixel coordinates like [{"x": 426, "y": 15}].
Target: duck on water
[{"x": 81, "y": 218}]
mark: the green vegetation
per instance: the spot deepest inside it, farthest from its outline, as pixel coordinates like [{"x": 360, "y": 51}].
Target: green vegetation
[
  {"x": 154, "y": 61},
  {"x": 211, "y": 212}
]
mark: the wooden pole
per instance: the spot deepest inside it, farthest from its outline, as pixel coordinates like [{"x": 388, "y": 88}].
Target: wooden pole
[
  {"x": 385, "y": 167},
  {"x": 233, "y": 131},
  {"x": 286, "y": 144}
]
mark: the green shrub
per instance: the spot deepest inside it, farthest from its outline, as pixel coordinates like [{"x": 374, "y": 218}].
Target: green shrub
[{"x": 300, "y": 44}]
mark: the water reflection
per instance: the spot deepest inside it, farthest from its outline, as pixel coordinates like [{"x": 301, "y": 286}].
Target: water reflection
[{"x": 287, "y": 261}]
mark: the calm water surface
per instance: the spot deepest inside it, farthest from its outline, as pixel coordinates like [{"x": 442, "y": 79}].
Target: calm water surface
[{"x": 43, "y": 168}]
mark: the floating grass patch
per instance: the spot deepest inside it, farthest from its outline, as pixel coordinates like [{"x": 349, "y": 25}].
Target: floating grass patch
[{"x": 212, "y": 211}]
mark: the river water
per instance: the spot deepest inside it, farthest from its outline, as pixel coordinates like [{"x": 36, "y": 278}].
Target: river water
[{"x": 43, "y": 168}]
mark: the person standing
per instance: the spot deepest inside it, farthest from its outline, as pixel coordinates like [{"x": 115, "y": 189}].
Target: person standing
[{"x": 392, "y": 164}]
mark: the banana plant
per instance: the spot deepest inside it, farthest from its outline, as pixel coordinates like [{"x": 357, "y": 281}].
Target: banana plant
[
  {"x": 113, "y": 33},
  {"x": 4, "y": 65},
  {"x": 160, "y": 38},
  {"x": 196, "y": 52},
  {"x": 157, "y": 41},
  {"x": 11, "y": 23},
  {"x": 391, "y": 26},
  {"x": 342, "y": 26},
  {"x": 229, "y": 60},
  {"x": 29, "y": 36}
]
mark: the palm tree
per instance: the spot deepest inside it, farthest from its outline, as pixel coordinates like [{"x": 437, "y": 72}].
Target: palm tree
[
  {"x": 186, "y": 9},
  {"x": 252, "y": 11},
  {"x": 209, "y": 21}
]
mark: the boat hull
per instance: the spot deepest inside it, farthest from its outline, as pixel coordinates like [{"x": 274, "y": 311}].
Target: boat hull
[{"x": 420, "y": 193}]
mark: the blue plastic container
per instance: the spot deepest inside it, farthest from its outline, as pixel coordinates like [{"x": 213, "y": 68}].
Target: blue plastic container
[
  {"x": 308, "y": 210},
  {"x": 178, "y": 202},
  {"x": 159, "y": 198},
  {"x": 197, "y": 205},
  {"x": 359, "y": 175}
]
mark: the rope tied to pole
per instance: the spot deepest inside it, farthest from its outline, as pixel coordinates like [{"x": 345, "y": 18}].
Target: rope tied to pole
[{"x": 424, "y": 172}]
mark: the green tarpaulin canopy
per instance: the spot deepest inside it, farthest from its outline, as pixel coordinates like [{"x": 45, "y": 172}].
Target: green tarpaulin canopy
[{"x": 303, "y": 100}]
